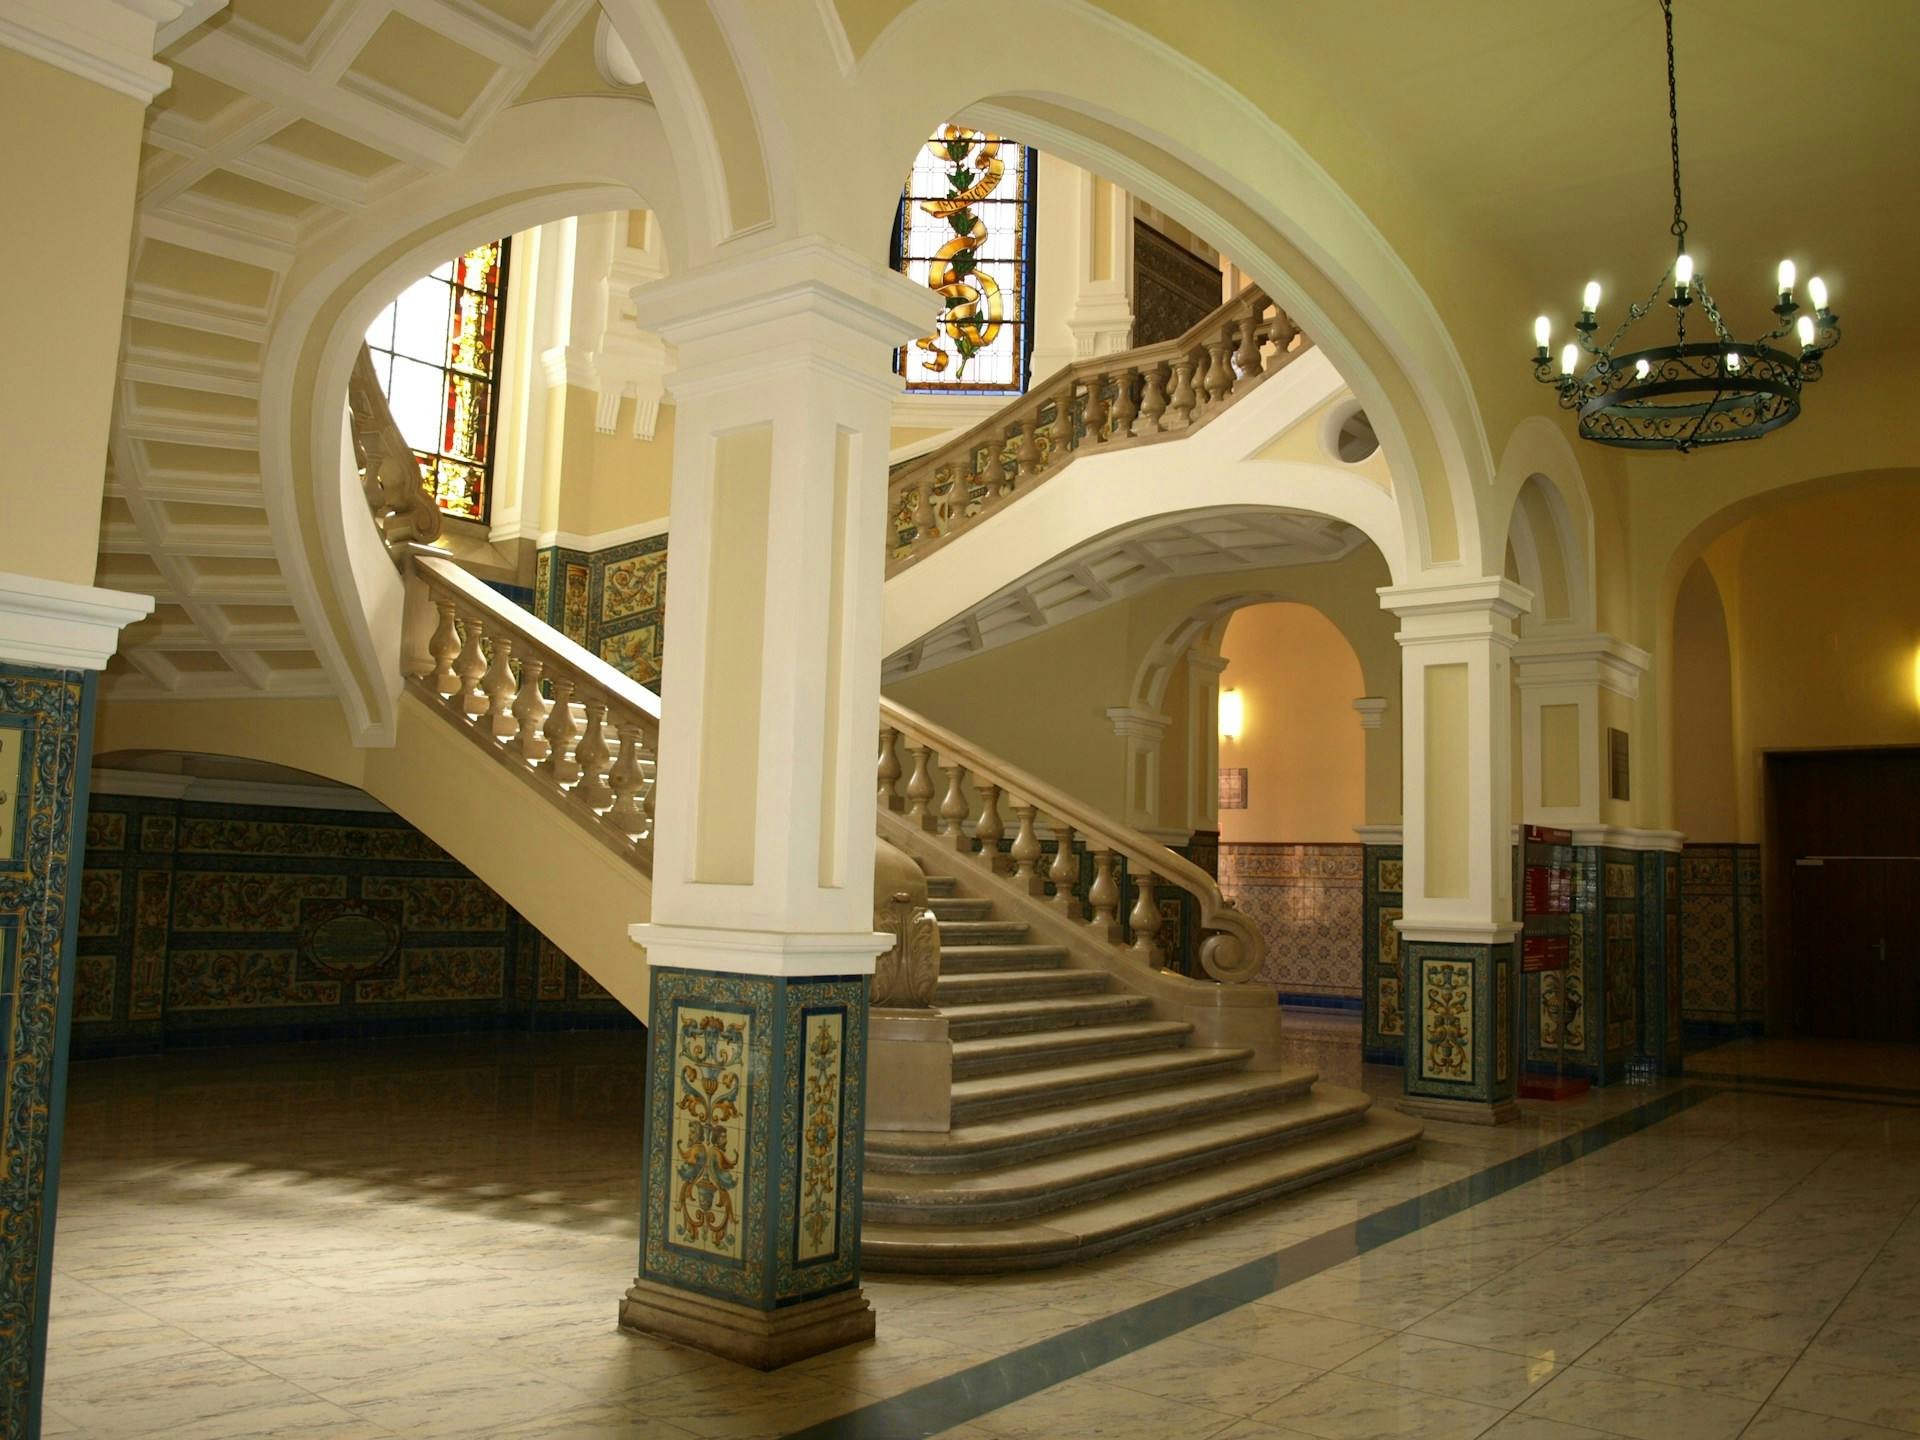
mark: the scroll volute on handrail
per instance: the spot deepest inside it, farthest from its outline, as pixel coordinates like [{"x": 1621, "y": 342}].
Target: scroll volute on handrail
[{"x": 1233, "y": 955}]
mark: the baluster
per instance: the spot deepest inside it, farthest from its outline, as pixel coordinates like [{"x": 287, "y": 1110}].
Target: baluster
[
  {"x": 470, "y": 666},
  {"x": 626, "y": 781},
  {"x": 1026, "y": 848},
  {"x": 591, "y": 756},
  {"x": 1104, "y": 893},
  {"x": 889, "y": 769},
  {"x": 498, "y": 685},
  {"x": 1248, "y": 355},
  {"x": 530, "y": 710},
  {"x": 1124, "y": 410},
  {"x": 1219, "y": 376},
  {"x": 954, "y": 809},
  {"x": 988, "y": 828},
  {"x": 919, "y": 786},
  {"x": 444, "y": 646},
  {"x": 1180, "y": 404},
  {"x": 558, "y": 733},
  {"x": 1065, "y": 872},
  {"x": 1095, "y": 414},
  {"x": 1145, "y": 919},
  {"x": 923, "y": 524},
  {"x": 646, "y": 799},
  {"x": 1153, "y": 404},
  {"x": 1026, "y": 450}
]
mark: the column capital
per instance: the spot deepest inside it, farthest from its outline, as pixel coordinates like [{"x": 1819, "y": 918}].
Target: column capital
[
  {"x": 1203, "y": 664},
  {"x": 1138, "y": 720},
  {"x": 760, "y": 952},
  {"x": 1580, "y": 658},
  {"x": 1371, "y": 709},
  {"x": 763, "y": 310},
  {"x": 63, "y": 626},
  {"x": 110, "y": 42},
  {"x": 1457, "y": 609}
]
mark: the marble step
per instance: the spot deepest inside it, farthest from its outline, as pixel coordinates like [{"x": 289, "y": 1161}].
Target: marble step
[
  {"x": 956, "y": 933},
  {"x": 1023, "y": 1017},
  {"x": 1051, "y": 1086},
  {"x": 1094, "y": 1227},
  {"x": 996, "y": 1054},
  {"x": 976, "y": 959},
  {"x": 1018, "y": 985},
  {"x": 1054, "y": 1182},
  {"x": 1039, "y": 1134},
  {"x": 954, "y": 907},
  {"x": 940, "y": 886}
]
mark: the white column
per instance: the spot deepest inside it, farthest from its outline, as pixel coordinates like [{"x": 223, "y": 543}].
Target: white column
[
  {"x": 1142, "y": 730},
  {"x": 1563, "y": 680},
  {"x": 1084, "y": 305},
  {"x": 1203, "y": 744},
  {"x": 765, "y": 807},
  {"x": 1456, "y": 643}
]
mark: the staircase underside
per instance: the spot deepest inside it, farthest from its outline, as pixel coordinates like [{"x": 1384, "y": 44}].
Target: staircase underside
[{"x": 1082, "y": 1123}]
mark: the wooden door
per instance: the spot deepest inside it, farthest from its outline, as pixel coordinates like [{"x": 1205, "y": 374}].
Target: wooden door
[{"x": 1845, "y": 834}]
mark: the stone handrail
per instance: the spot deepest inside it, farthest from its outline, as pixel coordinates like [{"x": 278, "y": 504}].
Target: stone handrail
[
  {"x": 575, "y": 728},
  {"x": 1232, "y": 954},
  {"x": 1136, "y": 397},
  {"x": 403, "y": 507}
]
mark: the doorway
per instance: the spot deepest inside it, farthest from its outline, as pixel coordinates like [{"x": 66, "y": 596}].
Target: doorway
[{"x": 1844, "y": 881}]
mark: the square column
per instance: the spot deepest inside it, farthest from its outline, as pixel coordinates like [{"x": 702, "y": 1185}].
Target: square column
[
  {"x": 762, "y": 936},
  {"x": 1457, "y": 929}
]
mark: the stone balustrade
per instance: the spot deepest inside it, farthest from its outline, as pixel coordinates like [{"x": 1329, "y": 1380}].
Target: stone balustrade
[
  {"x": 1137, "y": 397},
  {"x": 994, "y": 814},
  {"x": 579, "y": 731},
  {"x": 403, "y": 507}
]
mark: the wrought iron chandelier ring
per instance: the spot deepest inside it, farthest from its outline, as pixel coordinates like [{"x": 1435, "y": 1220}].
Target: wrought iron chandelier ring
[{"x": 1689, "y": 393}]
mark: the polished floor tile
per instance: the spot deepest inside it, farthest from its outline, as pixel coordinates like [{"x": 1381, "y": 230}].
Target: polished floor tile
[{"x": 429, "y": 1237}]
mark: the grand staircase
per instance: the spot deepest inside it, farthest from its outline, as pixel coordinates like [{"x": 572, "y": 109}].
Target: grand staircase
[{"x": 1082, "y": 1121}]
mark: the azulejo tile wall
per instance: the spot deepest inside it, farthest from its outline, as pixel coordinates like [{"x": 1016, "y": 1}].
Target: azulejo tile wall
[
  {"x": 611, "y": 601},
  {"x": 755, "y": 1104},
  {"x": 1459, "y": 1021},
  {"x": 202, "y": 922},
  {"x": 1383, "y": 1000},
  {"x": 45, "y": 729},
  {"x": 1722, "y": 941},
  {"x": 1309, "y": 903}
]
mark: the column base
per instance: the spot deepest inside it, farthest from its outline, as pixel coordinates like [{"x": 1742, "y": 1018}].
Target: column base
[
  {"x": 764, "y": 1339},
  {"x": 1461, "y": 1112}
]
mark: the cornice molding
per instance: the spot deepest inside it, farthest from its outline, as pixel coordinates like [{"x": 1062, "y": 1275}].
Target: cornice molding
[
  {"x": 233, "y": 792},
  {"x": 65, "y": 627},
  {"x": 110, "y": 42}
]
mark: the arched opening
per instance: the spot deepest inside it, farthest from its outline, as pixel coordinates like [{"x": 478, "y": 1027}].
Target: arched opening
[{"x": 1705, "y": 805}]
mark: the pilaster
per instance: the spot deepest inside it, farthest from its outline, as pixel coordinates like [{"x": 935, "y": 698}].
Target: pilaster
[
  {"x": 762, "y": 936},
  {"x": 1141, "y": 730}
]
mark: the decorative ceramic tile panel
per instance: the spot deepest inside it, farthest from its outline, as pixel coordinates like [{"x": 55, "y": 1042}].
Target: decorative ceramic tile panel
[
  {"x": 1308, "y": 901},
  {"x": 1502, "y": 1024},
  {"x": 1383, "y": 974},
  {"x": 820, "y": 1136},
  {"x": 710, "y": 1116},
  {"x": 1446, "y": 999},
  {"x": 1553, "y": 983}
]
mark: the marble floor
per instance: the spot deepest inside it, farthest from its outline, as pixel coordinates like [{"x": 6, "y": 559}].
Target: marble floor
[{"x": 428, "y": 1237}]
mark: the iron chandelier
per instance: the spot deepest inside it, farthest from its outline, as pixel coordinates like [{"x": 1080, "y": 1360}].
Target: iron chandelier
[{"x": 1693, "y": 392}]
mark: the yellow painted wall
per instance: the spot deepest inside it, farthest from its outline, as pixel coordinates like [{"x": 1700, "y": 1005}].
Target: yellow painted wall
[
  {"x": 1301, "y": 742},
  {"x": 67, "y": 172},
  {"x": 1823, "y": 604},
  {"x": 1703, "y": 789}
]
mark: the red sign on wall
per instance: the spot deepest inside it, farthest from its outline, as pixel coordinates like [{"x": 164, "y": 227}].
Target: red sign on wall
[{"x": 1543, "y": 952}]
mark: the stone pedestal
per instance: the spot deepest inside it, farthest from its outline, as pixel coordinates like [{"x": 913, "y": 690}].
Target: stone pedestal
[
  {"x": 750, "y": 1225},
  {"x": 910, "y": 1072}
]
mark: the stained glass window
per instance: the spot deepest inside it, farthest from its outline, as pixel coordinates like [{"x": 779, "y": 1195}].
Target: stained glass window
[
  {"x": 437, "y": 350},
  {"x": 966, "y": 232}
]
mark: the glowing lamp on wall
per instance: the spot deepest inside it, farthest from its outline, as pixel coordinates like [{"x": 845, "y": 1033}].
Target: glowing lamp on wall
[{"x": 1232, "y": 715}]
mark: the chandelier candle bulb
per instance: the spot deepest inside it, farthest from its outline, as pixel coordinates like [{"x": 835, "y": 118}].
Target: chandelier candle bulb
[
  {"x": 1733, "y": 360},
  {"x": 1806, "y": 332},
  {"x": 1590, "y": 301},
  {"x": 1569, "y": 358},
  {"x": 1683, "y": 273},
  {"x": 1542, "y": 334},
  {"x": 1642, "y": 369},
  {"x": 1786, "y": 278},
  {"x": 1817, "y": 292}
]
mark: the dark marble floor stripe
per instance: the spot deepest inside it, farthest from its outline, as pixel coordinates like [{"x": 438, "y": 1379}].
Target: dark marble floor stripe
[{"x": 968, "y": 1394}]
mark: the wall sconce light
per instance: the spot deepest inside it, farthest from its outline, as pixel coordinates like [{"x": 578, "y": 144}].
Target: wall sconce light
[{"x": 1232, "y": 714}]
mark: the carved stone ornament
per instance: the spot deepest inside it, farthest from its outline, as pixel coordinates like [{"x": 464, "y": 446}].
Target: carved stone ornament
[{"x": 905, "y": 976}]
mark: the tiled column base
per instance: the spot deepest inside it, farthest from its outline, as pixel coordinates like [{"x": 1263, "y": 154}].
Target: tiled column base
[
  {"x": 750, "y": 1216},
  {"x": 764, "y": 1339},
  {"x": 1459, "y": 1021}
]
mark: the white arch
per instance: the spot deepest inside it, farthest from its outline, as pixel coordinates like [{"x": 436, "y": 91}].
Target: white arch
[
  {"x": 1539, "y": 455},
  {"x": 535, "y": 163}
]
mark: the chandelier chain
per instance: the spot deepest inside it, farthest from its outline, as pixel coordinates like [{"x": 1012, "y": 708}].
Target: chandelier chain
[{"x": 1679, "y": 227}]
